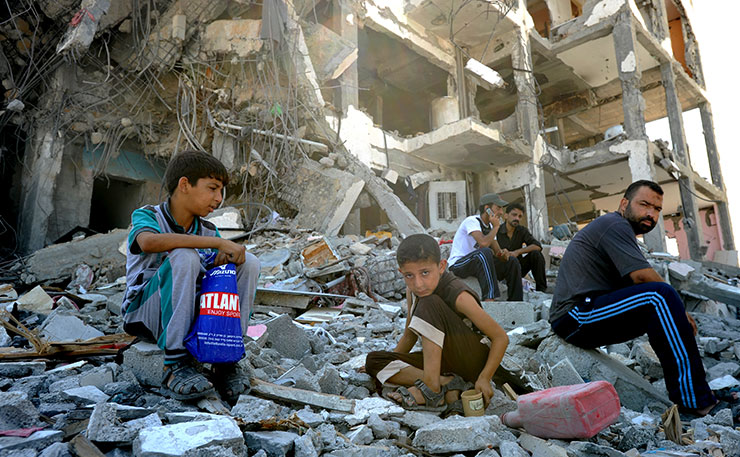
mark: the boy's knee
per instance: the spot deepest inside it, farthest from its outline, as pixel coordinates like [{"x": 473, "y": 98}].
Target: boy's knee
[
  {"x": 184, "y": 257},
  {"x": 374, "y": 362},
  {"x": 251, "y": 264}
]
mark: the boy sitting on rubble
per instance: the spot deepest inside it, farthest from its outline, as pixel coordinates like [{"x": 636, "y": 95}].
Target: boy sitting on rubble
[
  {"x": 452, "y": 354},
  {"x": 164, "y": 263}
]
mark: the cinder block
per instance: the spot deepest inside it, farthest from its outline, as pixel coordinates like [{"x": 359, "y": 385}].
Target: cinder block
[
  {"x": 510, "y": 314},
  {"x": 146, "y": 361}
]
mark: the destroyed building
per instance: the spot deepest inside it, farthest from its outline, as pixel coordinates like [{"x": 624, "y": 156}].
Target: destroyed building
[{"x": 413, "y": 108}]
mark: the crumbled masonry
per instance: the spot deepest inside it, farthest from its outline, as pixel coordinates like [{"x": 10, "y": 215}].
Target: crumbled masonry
[{"x": 308, "y": 396}]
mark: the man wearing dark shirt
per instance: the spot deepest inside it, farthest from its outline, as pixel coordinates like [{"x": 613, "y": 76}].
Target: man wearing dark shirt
[
  {"x": 516, "y": 241},
  {"x": 607, "y": 293}
]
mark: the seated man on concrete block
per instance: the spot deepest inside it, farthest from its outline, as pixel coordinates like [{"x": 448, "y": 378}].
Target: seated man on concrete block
[
  {"x": 607, "y": 293},
  {"x": 516, "y": 241},
  {"x": 474, "y": 248}
]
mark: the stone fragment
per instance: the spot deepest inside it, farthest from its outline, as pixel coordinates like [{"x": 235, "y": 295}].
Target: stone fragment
[
  {"x": 106, "y": 424},
  {"x": 373, "y": 405},
  {"x": 309, "y": 417},
  {"x": 304, "y": 447},
  {"x": 648, "y": 360},
  {"x": 146, "y": 361},
  {"x": 62, "y": 326},
  {"x": 510, "y": 314},
  {"x": 69, "y": 382},
  {"x": 723, "y": 382},
  {"x": 586, "y": 449},
  {"x": 330, "y": 381},
  {"x": 360, "y": 435},
  {"x": 287, "y": 338},
  {"x": 253, "y": 410},
  {"x": 37, "y": 441},
  {"x": 418, "y": 419},
  {"x": 189, "y": 416},
  {"x": 680, "y": 270},
  {"x": 458, "y": 434},
  {"x": 274, "y": 443},
  {"x": 512, "y": 449},
  {"x": 564, "y": 374},
  {"x": 17, "y": 411},
  {"x": 175, "y": 440},
  {"x": 56, "y": 450},
  {"x": 360, "y": 249},
  {"x": 36, "y": 301},
  {"x": 21, "y": 369},
  {"x": 98, "y": 377},
  {"x": 31, "y": 386},
  {"x": 382, "y": 429},
  {"x": 723, "y": 369},
  {"x": 5, "y": 339},
  {"x": 85, "y": 395},
  {"x": 539, "y": 447},
  {"x": 635, "y": 437},
  {"x": 214, "y": 451}
]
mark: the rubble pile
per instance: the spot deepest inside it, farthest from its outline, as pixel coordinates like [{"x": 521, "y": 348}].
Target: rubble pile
[{"x": 71, "y": 381}]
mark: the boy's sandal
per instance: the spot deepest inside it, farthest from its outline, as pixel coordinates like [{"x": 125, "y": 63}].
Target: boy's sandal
[
  {"x": 453, "y": 409},
  {"x": 434, "y": 401},
  {"x": 231, "y": 381},
  {"x": 457, "y": 383},
  {"x": 182, "y": 381}
]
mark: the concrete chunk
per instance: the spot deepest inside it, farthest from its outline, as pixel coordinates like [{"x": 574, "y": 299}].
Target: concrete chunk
[
  {"x": 564, "y": 374},
  {"x": 373, "y": 405},
  {"x": 275, "y": 444},
  {"x": 146, "y": 361},
  {"x": 458, "y": 434},
  {"x": 240, "y": 36},
  {"x": 37, "y": 441},
  {"x": 21, "y": 369},
  {"x": 360, "y": 435},
  {"x": 85, "y": 395},
  {"x": 107, "y": 424},
  {"x": 541, "y": 448},
  {"x": 680, "y": 270},
  {"x": 175, "y": 440},
  {"x": 253, "y": 410},
  {"x": 62, "y": 327},
  {"x": 287, "y": 338},
  {"x": 36, "y": 301},
  {"x": 510, "y": 314},
  {"x": 17, "y": 411},
  {"x": 648, "y": 360}
]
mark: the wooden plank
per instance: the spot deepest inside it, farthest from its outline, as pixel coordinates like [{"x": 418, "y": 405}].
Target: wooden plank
[
  {"x": 303, "y": 397},
  {"x": 84, "y": 447}
]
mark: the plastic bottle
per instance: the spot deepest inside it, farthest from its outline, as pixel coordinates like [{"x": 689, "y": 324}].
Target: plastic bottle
[{"x": 577, "y": 411}]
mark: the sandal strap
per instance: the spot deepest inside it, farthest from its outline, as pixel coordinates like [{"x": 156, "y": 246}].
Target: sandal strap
[
  {"x": 431, "y": 397},
  {"x": 181, "y": 376}
]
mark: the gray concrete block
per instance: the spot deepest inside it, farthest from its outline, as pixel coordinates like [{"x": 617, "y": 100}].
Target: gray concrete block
[
  {"x": 175, "y": 440},
  {"x": 648, "y": 360},
  {"x": 287, "y": 338},
  {"x": 17, "y": 411},
  {"x": 274, "y": 443},
  {"x": 418, "y": 419},
  {"x": 382, "y": 429},
  {"x": 56, "y": 450},
  {"x": 541, "y": 448},
  {"x": 21, "y": 369},
  {"x": 98, "y": 377},
  {"x": 723, "y": 369},
  {"x": 510, "y": 314},
  {"x": 458, "y": 434},
  {"x": 512, "y": 449},
  {"x": 360, "y": 435},
  {"x": 37, "y": 441},
  {"x": 304, "y": 447},
  {"x": 253, "y": 410},
  {"x": 309, "y": 417},
  {"x": 62, "y": 326},
  {"x": 106, "y": 424},
  {"x": 634, "y": 391},
  {"x": 146, "y": 360},
  {"x": 564, "y": 374},
  {"x": 85, "y": 395},
  {"x": 70, "y": 382}
]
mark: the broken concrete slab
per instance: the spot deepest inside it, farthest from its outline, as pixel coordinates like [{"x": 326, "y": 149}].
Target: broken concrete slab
[
  {"x": 237, "y": 36},
  {"x": 253, "y": 410},
  {"x": 330, "y": 53},
  {"x": 323, "y": 197},
  {"x": 680, "y": 270},
  {"x": 302, "y": 397},
  {"x": 37, "y": 441},
  {"x": 366, "y": 407},
  {"x": 21, "y": 369},
  {"x": 63, "y": 327},
  {"x": 510, "y": 314},
  {"x": 17, "y": 411},
  {"x": 36, "y": 301},
  {"x": 287, "y": 338},
  {"x": 108, "y": 424},
  {"x": 648, "y": 360},
  {"x": 541, "y": 448},
  {"x": 634, "y": 391},
  {"x": 274, "y": 443},
  {"x": 458, "y": 434},
  {"x": 85, "y": 395},
  {"x": 146, "y": 361},
  {"x": 175, "y": 440},
  {"x": 58, "y": 262}
]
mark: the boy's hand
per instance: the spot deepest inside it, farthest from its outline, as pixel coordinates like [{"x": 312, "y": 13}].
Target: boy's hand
[
  {"x": 484, "y": 386},
  {"x": 230, "y": 252}
]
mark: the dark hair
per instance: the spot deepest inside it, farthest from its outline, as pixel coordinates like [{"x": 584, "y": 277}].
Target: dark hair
[
  {"x": 512, "y": 206},
  {"x": 635, "y": 186},
  {"x": 193, "y": 165},
  {"x": 416, "y": 248}
]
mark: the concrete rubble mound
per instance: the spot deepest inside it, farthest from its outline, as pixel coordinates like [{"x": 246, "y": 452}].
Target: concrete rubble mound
[{"x": 319, "y": 311}]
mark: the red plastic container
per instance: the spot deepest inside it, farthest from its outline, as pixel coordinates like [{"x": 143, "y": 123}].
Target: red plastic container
[{"x": 577, "y": 411}]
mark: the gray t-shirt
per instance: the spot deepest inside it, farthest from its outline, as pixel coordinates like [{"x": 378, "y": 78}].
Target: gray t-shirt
[{"x": 597, "y": 261}]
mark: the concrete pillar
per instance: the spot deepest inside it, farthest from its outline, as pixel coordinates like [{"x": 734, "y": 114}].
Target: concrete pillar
[
  {"x": 725, "y": 224},
  {"x": 560, "y": 11},
  {"x": 346, "y": 25},
  {"x": 633, "y": 105},
  {"x": 528, "y": 121},
  {"x": 692, "y": 224},
  {"x": 461, "y": 84}
]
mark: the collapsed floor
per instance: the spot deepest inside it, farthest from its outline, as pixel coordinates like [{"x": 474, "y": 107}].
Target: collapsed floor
[{"x": 323, "y": 304}]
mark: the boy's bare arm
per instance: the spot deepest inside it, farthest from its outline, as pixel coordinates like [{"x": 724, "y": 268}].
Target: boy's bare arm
[
  {"x": 467, "y": 305},
  {"x": 150, "y": 242}
]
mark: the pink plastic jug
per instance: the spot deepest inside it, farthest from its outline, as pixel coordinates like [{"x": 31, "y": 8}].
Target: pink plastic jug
[{"x": 577, "y": 411}]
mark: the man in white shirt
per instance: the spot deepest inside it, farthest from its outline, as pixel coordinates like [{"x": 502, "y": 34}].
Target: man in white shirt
[{"x": 474, "y": 248}]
